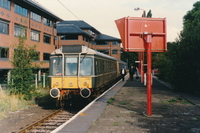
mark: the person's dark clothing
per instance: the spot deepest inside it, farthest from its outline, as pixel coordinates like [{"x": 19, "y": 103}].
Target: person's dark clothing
[
  {"x": 123, "y": 73},
  {"x": 132, "y": 72}
]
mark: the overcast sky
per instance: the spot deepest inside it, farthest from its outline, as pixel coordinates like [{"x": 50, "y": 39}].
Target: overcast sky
[{"x": 101, "y": 14}]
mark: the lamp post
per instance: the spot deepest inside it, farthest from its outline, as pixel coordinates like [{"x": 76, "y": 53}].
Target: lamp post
[
  {"x": 144, "y": 12},
  {"x": 141, "y": 54}
]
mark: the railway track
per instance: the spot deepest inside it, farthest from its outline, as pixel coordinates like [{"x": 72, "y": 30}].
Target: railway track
[
  {"x": 50, "y": 122},
  {"x": 57, "y": 118}
]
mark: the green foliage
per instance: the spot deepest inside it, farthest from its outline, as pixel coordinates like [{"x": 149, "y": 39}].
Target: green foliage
[
  {"x": 22, "y": 74},
  {"x": 187, "y": 61},
  {"x": 111, "y": 100},
  {"x": 115, "y": 123},
  {"x": 163, "y": 61},
  {"x": 180, "y": 65},
  {"x": 123, "y": 103},
  {"x": 129, "y": 57},
  {"x": 149, "y": 14}
]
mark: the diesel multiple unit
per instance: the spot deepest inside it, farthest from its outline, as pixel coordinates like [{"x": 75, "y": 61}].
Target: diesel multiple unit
[{"x": 78, "y": 71}]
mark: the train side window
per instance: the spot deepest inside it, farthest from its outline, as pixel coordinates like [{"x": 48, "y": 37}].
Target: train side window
[
  {"x": 97, "y": 67},
  {"x": 101, "y": 67}
]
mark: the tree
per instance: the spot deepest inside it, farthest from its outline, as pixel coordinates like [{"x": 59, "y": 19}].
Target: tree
[
  {"x": 182, "y": 59},
  {"x": 149, "y": 14},
  {"x": 187, "y": 61},
  {"x": 22, "y": 72},
  {"x": 129, "y": 57}
]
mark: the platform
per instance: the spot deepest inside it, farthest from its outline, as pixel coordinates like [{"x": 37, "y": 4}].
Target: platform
[{"x": 126, "y": 113}]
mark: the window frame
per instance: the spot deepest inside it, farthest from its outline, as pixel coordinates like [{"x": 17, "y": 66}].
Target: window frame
[
  {"x": 33, "y": 35},
  {"x": 36, "y": 17},
  {"x": 115, "y": 51},
  {"x": 47, "y": 38},
  {"x": 6, "y": 52},
  {"x": 2, "y": 26},
  {"x": 47, "y": 22},
  {"x": 20, "y": 28},
  {"x": 45, "y": 58},
  {"x": 20, "y": 10},
  {"x": 5, "y": 4}
]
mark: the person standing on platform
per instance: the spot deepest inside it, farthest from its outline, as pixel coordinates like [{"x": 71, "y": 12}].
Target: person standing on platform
[
  {"x": 132, "y": 72},
  {"x": 123, "y": 73}
]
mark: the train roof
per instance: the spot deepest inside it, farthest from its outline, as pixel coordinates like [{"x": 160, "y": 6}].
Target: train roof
[{"x": 76, "y": 49}]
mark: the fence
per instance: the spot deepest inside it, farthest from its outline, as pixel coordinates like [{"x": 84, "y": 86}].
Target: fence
[{"x": 41, "y": 80}]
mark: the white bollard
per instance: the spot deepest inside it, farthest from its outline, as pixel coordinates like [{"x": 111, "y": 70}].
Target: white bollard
[
  {"x": 36, "y": 81},
  {"x": 145, "y": 80},
  {"x": 43, "y": 80}
]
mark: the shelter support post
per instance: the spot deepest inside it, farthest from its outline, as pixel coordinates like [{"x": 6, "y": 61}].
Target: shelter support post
[{"x": 149, "y": 78}]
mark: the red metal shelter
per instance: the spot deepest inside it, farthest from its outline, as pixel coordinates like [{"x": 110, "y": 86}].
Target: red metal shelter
[
  {"x": 132, "y": 31},
  {"x": 143, "y": 35}
]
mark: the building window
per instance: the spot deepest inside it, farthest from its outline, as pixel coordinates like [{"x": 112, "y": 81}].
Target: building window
[
  {"x": 4, "y": 27},
  {"x": 101, "y": 43},
  {"x": 35, "y": 35},
  {"x": 47, "y": 22},
  {"x": 5, "y": 4},
  {"x": 46, "y": 56},
  {"x": 4, "y": 52},
  {"x": 47, "y": 38},
  {"x": 20, "y": 31},
  {"x": 20, "y": 10},
  {"x": 69, "y": 37},
  {"x": 36, "y": 17},
  {"x": 114, "y": 43},
  {"x": 104, "y": 51},
  {"x": 114, "y": 52}
]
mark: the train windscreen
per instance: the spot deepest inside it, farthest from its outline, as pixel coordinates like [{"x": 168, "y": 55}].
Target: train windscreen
[
  {"x": 56, "y": 65},
  {"x": 71, "y": 67}
]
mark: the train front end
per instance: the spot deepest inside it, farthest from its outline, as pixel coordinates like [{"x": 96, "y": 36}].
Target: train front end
[{"x": 71, "y": 73}]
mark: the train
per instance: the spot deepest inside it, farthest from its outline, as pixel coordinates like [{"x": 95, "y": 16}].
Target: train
[{"x": 77, "y": 71}]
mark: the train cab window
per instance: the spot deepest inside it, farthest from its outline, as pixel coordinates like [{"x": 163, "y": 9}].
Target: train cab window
[
  {"x": 86, "y": 66},
  {"x": 71, "y": 66},
  {"x": 56, "y": 66}
]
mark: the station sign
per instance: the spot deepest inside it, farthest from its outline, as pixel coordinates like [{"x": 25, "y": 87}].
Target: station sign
[{"x": 133, "y": 31}]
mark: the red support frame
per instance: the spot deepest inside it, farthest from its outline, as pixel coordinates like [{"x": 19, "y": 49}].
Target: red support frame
[{"x": 143, "y": 35}]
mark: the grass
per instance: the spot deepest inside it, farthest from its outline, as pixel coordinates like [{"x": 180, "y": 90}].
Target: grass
[
  {"x": 115, "y": 124},
  {"x": 195, "y": 119},
  {"x": 123, "y": 103},
  {"x": 111, "y": 100},
  {"x": 118, "y": 116},
  {"x": 12, "y": 103},
  {"x": 177, "y": 100}
]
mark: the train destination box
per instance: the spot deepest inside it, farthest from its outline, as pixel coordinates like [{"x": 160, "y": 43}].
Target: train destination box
[{"x": 133, "y": 31}]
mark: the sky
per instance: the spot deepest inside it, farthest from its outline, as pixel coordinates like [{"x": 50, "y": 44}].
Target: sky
[{"x": 101, "y": 14}]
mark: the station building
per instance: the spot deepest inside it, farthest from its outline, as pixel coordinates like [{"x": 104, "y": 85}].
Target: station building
[
  {"x": 47, "y": 31},
  {"x": 37, "y": 24},
  {"x": 80, "y": 32}
]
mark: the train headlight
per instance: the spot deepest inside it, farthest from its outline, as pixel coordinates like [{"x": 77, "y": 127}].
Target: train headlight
[
  {"x": 55, "y": 92},
  {"x": 57, "y": 83},
  {"x": 85, "y": 83},
  {"x": 70, "y": 84}
]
